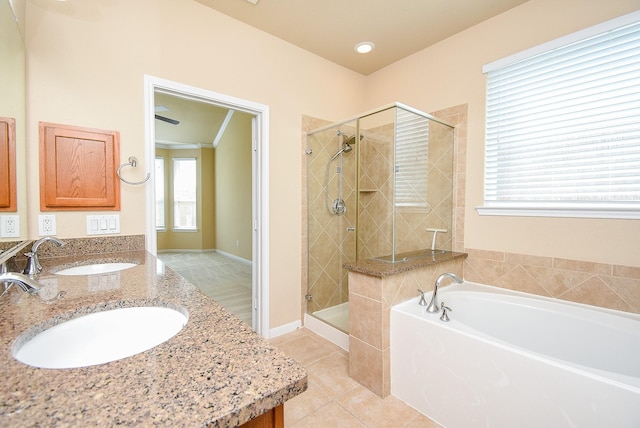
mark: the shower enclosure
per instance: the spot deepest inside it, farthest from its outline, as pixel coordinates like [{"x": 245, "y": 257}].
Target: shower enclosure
[{"x": 378, "y": 186}]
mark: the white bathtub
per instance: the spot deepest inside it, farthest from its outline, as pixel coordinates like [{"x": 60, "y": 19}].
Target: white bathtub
[{"x": 510, "y": 359}]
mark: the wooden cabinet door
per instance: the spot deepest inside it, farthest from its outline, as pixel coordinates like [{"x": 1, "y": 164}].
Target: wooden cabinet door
[
  {"x": 274, "y": 418},
  {"x": 78, "y": 168},
  {"x": 8, "y": 189}
]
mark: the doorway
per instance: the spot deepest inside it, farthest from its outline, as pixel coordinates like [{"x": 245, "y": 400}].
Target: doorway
[{"x": 258, "y": 115}]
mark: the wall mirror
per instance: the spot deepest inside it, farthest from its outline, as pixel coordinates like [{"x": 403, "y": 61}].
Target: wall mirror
[{"x": 13, "y": 105}]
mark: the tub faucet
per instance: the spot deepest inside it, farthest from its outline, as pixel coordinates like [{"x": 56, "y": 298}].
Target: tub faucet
[
  {"x": 433, "y": 305},
  {"x": 25, "y": 283},
  {"x": 33, "y": 264}
]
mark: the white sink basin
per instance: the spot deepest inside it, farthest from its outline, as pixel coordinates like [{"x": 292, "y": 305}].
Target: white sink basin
[
  {"x": 101, "y": 337},
  {"x": 96, "y": 268}
]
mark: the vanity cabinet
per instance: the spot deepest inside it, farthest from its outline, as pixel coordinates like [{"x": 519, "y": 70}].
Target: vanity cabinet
[
  {"x": 7, "y": 164},
  {"x": 78, "y": 168},
  {"x": 274, "y": 418}
]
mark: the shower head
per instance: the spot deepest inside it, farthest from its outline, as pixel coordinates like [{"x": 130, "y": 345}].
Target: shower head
[{"x": 346, "y": 148}]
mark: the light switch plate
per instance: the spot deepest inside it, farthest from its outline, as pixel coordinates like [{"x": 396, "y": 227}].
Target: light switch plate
[{"x": 103, "y": 224}]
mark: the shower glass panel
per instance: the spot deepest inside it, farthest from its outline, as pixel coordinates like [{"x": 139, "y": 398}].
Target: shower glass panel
[
  {"x": 332, "y": 156},
  {"x": 377, "y": 188},
  {"x": 406, "y": 185}
]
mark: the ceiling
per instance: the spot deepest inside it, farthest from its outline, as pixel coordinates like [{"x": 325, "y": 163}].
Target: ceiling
[
  {"x": 331, "y": 28},
  {"x": 199, "y": 122}
]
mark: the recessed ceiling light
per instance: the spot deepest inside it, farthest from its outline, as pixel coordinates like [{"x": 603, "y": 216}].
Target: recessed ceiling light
[{"x": 364, "y": 47}]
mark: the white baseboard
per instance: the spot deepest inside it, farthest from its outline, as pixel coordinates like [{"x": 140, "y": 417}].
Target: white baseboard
[
  {"x": 284, "y": 329},
  {"x": 183, "y": 250},
  {"x": 234, "y": 257}
]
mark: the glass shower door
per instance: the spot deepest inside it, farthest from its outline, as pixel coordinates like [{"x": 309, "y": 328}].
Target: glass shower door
[{"x": 331, "y": 209}]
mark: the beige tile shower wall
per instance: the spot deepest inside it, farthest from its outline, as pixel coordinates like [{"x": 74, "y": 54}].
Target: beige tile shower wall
[
  {"x": 457, "y": 116},
  {"x": 609, "y": 286},
  {"x": 375, "y": 224},
  {"x": 376, "y": 196},
  {"x": 412, "y": 224}
]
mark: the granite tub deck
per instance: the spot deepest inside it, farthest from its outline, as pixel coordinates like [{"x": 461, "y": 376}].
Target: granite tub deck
[{"x": 215, "y": 372}]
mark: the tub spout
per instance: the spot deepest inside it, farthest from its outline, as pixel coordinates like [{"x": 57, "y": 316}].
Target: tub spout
[{"x": 434, "y": 307}]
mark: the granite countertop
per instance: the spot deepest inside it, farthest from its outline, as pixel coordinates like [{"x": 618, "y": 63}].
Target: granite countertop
[
  {"x": 215, "y": 372},
  {"x": 405, "y": 262}
]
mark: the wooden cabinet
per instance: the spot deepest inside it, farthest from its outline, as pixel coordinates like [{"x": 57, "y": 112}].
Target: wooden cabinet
[
  {"x": 274, "y": 418},
  {"x": 8, "y": 189},
  {"x": 78, "y": 168}
]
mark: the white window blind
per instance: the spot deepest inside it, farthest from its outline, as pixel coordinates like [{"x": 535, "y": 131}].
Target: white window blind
[
  {"x": 563, "y": 129},
  {"x": 160, "y": 193},
  {"x": 184, "y": 193},
  {"x": 411, "y": 159}
]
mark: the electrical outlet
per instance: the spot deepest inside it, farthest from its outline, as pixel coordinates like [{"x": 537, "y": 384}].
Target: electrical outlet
[
  {"x": 10, "y": 227},
  {"x": 46, "y": 224}
]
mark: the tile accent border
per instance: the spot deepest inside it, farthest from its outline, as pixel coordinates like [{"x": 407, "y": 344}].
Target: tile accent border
[{"x": 599, "y": 284}]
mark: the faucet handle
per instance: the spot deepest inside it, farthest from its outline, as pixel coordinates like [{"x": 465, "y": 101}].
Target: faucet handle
[
  {"x": 445, "y": 317},
  {"x": 422, "y": 301},
  {"x": 33, "y": 266}
]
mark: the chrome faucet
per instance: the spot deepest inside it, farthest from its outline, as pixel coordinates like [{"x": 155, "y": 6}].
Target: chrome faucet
[
  {"x": 433, "y": 305},
  {"x": 26, "y": 283},
  {"x": 33, "y": 264}
]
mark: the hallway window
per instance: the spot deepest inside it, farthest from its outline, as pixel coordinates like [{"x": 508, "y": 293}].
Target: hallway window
[
  {"x": 562, "y": 129},
  {"x": 159, "y": 165},
  {"x": 184, "y": 193}
]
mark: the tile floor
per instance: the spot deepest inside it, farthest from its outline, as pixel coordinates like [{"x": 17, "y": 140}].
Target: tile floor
[
  {"x": 226, "y": 280},
  {"x": 332, "y": 398}
]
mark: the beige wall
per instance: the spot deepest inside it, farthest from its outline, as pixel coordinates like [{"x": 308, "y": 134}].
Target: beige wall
[
  {"x": 12, "y": 99},
  {"x": 86, "y": 61},
  {"x": 449, "y": 74},
  {"x": 233, "y": 188}
]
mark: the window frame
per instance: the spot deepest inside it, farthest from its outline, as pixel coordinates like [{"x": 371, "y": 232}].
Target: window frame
[
  {"x": 607, "y": 209},
  {"x": 160, "y": 179},
  {"x": 174, "y": 199}
]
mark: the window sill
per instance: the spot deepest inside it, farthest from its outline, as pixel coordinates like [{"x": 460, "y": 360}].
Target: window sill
[{"x": 625, "y": 212}]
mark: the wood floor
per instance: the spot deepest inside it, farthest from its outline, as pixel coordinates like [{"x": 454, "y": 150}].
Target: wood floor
[{"x": 225, "y": 280}]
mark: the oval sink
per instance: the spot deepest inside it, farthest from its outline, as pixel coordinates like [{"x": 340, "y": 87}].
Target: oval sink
[
  {"x": 96, "y": 268},
  {"x": 100, "y": 337}
]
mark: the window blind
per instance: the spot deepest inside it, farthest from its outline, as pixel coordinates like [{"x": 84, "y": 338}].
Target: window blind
[
  {"x": 411, "y": 159},
  {"x": 159, "y": 193},
  {"x": 563, "y": 126},
  {"x": 184, "y": 193}
]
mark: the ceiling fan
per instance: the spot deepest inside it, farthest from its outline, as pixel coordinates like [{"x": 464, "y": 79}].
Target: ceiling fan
[{"x": 160, "y": 108}]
